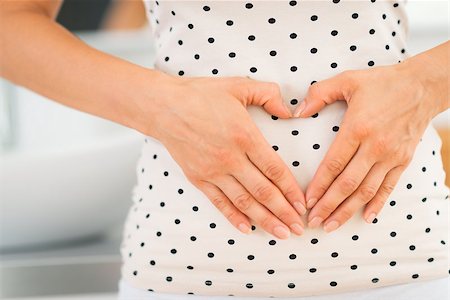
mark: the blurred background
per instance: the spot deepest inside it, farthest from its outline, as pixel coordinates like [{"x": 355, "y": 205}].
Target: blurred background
[{"x": 60, "y": 168}]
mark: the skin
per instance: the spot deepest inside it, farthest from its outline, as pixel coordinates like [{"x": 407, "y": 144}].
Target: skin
[
  {"x": 389, "y": 108},
  {"x": 221, "y": 151},
  {"x": 219, "y": 148}
]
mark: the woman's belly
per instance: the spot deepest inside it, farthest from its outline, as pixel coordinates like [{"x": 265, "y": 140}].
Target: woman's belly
[{"x": 176, "y": 241}]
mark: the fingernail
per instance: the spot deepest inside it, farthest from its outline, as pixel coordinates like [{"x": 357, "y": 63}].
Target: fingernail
[
  {"x": 315, "y": 222},
  {"x": 297, "y": 229},
  {"x": 300, "y": 109},
  {"x": 310, "y": 203},
  {"x": 282, "y": 232},
  {"x": 287, "y": 109},
  {"x": 300, "y": 208},
  {"x": 244, "y": 228},
  {"x": 330, "y": 226},
  {"x": 371, "y": 217}
]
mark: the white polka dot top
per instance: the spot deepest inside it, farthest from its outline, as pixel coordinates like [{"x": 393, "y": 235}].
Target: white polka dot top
[{"x": 176, "y": 241}]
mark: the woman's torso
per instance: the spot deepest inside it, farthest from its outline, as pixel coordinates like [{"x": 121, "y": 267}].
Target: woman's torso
[{"x": 176, "y": 241}]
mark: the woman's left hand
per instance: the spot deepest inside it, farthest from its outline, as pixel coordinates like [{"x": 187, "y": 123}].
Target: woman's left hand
[{"x": 388, "y": 111}]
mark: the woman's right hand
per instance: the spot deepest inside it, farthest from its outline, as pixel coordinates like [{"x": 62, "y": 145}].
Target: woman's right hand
[{"x": 207, "y": 130}]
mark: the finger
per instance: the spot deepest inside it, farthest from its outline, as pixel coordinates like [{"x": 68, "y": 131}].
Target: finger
[
  {"x": 225, "y": 206},
  {"x": 266, "y": 193},
  {"x": 365, "y": 192},
  {"x": 244, "y": 202},
  {"x": 266, "y": 94},
  {"x": 261, "y": 154},
  {"x": 344, "y": 185},
  {"x": 321, "y": 93},
  {"x": 375, "y": 205},
  {"x": 336, "y": 159}
]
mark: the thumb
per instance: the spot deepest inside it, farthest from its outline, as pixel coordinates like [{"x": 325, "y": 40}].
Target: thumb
[
  {"x": 268, "y": 95},
  {"x": 325, "y": 92}
]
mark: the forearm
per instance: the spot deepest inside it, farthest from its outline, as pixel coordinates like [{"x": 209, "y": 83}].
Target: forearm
[
  {"x": 431, "y": 68},
  {"x": 43, "y": 56}
]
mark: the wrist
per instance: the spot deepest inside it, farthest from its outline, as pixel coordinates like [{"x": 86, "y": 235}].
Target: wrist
[
  {"x": 429, "y": 77},
  {"x": 153, "y": 94}
]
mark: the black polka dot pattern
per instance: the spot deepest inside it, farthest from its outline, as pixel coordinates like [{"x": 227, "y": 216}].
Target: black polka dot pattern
[{"x": 176, "y": 241}]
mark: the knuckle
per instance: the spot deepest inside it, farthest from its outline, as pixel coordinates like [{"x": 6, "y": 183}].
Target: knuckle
[
  {"x": 220, "y": 153},
  {"x": 381, "y": 145},
  {"x": 240, "y": 87},
  {"x": 237, "y": 79},
  {"x": 386, "y": 189},
  {"x": 407, "y": 161},
  {"x": 335, "y": 166},
  {"x": 320, "y": 189},
  {"x": 290, "y": 193},
  {"x": 204, "y": 171},
  {"x": 231, "y": 215},
  {"x": 200, "y": 173},
  {"x": 345, "y": 214},
  {"x": 240, "y": 138},
  {"x": 367, "y": 192},
  {"x": 398, "y": 156},
  {"x": 193, "y": 178},
  {"x": 348, "y": 185},
  {"x": 274, "y": 88},
  {"x": 401, "y": 157},
  {"x": 379, "y": 203},
  {"x": 284, "y": 215},
  {"x": 219, "y": 202},
  {"x": 267, "y": 221},
  {"x": 346, "y": 74},
  {"x": 274, "y": 171},
  {"x": 326, "y": 208},
  {"x": 263, "y": 193},
  {"x": 243, "y": 201},
  {"x": 406, "y": 157},
  {"x": 314, "y": 90},
  {"x": 352, "y": 76},
  {"x": 221, "y": 157},
  {"x": 362, "y": 129}
]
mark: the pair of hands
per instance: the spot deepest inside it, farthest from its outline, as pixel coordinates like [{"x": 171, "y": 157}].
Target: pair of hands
[{"x": 207, "y": 130}]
